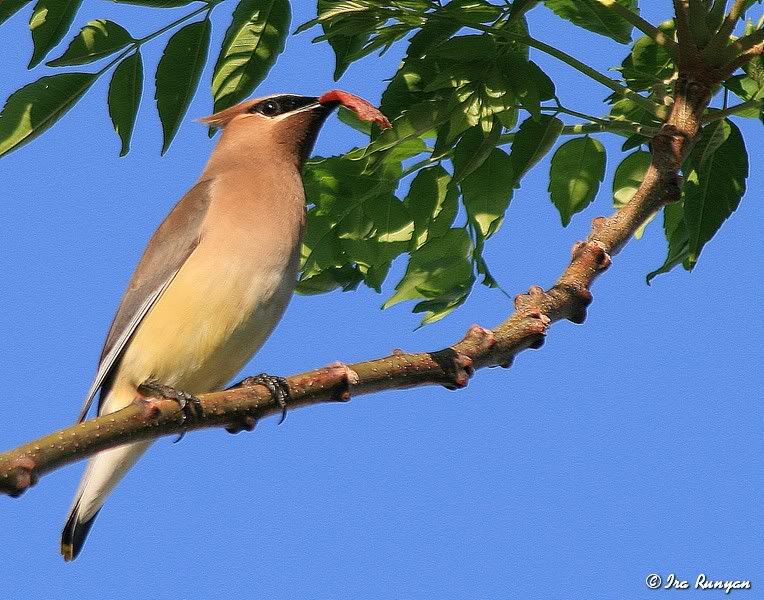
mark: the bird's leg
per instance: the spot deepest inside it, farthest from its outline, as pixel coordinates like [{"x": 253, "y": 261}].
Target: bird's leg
[{"x": 277, "y": 386}]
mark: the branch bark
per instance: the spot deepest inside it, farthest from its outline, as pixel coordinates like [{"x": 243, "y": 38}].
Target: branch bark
[{"x": 452, "y": 366}]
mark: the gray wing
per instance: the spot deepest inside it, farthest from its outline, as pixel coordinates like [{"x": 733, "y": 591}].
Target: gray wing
[{"x": 167, "y": 250}]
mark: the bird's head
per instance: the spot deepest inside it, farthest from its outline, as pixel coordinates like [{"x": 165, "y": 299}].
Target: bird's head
[{"x": 286, "y": 123}]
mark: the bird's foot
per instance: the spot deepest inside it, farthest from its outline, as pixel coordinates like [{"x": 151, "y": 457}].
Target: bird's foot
[
  {"x": 279, "y": 390},
  {"x": 190, "y": 405}
]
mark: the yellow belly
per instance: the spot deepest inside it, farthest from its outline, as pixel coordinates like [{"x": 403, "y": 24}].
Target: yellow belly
[{"x": 209, "y": 322}]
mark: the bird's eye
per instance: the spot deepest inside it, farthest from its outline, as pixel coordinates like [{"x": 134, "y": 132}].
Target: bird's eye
[{"x": 269, "y": 108}]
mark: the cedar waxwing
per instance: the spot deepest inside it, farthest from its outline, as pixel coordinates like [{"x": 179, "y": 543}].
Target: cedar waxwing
[{"x": 214, "y": 279}]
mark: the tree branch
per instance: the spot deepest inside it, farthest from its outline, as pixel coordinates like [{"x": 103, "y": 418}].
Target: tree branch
[
  {"x": 721, "y": 38},
  {"x": 452, "y": 366},
  {"x": 683, "y": 30},
  {"x": 748, "y": 43},
  {"x": 743, "y": 50},
  {"x": 697, "y": 14}
]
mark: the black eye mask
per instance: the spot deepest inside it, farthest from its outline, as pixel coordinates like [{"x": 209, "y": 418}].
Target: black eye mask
[{"x": 279, "y": 105}]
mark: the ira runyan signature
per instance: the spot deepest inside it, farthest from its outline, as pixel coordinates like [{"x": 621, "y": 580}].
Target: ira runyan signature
[{"x": 704, "y": 583}]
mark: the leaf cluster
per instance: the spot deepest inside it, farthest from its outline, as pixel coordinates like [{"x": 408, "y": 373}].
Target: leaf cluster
[
  {"x": 255, "y": 37},
  {"x": 472, "y": 113}
]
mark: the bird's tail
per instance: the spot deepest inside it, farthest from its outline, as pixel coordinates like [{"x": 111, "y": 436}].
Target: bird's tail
[{"x": 103, "y": 472}]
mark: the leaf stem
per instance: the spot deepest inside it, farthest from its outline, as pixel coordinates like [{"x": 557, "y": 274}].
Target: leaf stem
[
  {"x": 575, "y": 113},
  {"x": 615, "y": 127},
  {"x": 207, "y": 7},
  {"x": 425, "y": 162},
  {"x": 119, "y": 57},
  {"x": 716, "y": 115}
]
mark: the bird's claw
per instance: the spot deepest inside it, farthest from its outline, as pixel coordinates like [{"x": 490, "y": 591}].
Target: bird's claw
[
  {"x": 190, "y": 405},
  {"x": 277, "y": 386}
]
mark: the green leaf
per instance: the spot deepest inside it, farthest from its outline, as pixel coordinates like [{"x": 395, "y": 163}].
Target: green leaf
[
  {"x": 346, "y": 277},
  {"x": 519, "y": 7},
  {"x": 626, "y": 109},
  {"x": 345, "y": 41},
  {"x": 350, "y": 118},
  {"x": 157, "y": 3},
  {"x": 97, "y": 39},
  {"x": 252, "y": 42},
  {"x": 634, "y": 141},
  {"x": 432, "y": 33},
  {"x": 178, "y": 75},
  {"x": 382, "y": 39},
  {"x": 125, "y": 91},
  {"x": 649, "y": 63},
  {"x": 471, "y": 11},
  {"x": 320, "y": 247},
  {"x": 470, "y": 105},
  {"x": 418, "y": 121},
  {"x": 627, "y": 179},
  {"x": 469, "y": 48},
  {"x": 527, "y": 82},
  {"x": 473, "y": 148},
  {"x": 345, "y": 47},
  {"x": 28, "y": 112},
  {"x": 406, "y": 88},
  {"x": 628, "y": 176},
  {"x": 675, "y": 229},
  {"x": 356, "y": 224},
  {"x": 754, "y": 68},
  {"x": 594, "y": 16},
  {"x": 440, "y": 272},
  {"x": 532, "y": 141},
  {"x": 49, "y": 23},
  {"x": 387, "y": 230},
  {"x": 517, "y": 25},
  {"x": 8, "y": 8},
  {"x": 577, "y": 169},
  {"x": 432, "y": 203},
  {"x": 392, "y": 220},
  {"x": 746, "y": 88},
  {"x": 443, "y": 305},
  {"x": 330, "y": 10},
  {"x": 715, "y": 184},
  {"x": 487, "y": 191}
]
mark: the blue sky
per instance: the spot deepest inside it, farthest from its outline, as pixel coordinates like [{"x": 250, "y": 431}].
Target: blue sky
[{"x": 626, "y": 446}]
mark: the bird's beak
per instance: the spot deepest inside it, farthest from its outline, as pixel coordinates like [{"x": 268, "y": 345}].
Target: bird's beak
[{"x": 323, "y": 109}]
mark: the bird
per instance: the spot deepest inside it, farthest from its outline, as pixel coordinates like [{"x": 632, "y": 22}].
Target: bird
[{"x": 213, "y": 281}]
